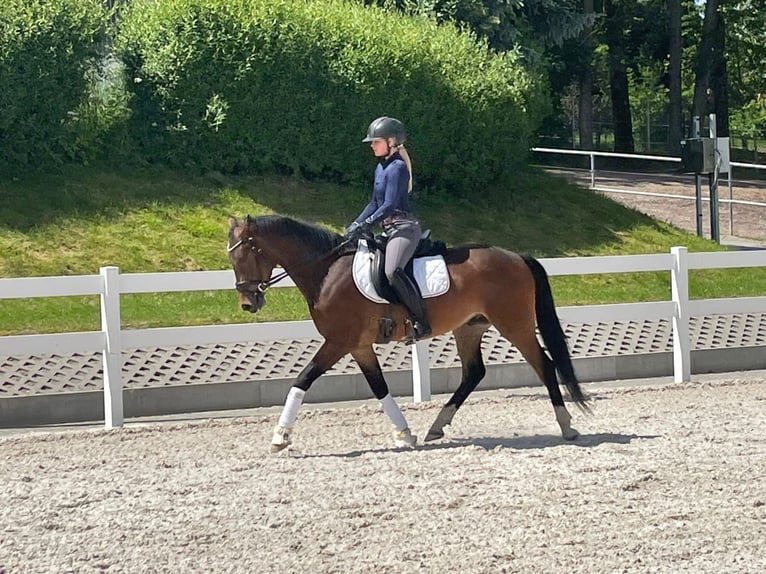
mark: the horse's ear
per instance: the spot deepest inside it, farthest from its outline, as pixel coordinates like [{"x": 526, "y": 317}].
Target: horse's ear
[
  {"x": 233, "y": 221},
  {"x": 248, "y": 219}
]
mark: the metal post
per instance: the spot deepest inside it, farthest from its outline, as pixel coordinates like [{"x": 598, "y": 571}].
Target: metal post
[
  {"x": 698, "y": 203},
  {"x": 697, "y": 189},
  {"x": 715, "y": 234},
  {"x": 592, "y": 170},
  {"x": 731, "y": 203}
]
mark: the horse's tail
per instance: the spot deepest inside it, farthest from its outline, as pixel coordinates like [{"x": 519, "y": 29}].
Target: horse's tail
[{"x": 551, "y": 331}]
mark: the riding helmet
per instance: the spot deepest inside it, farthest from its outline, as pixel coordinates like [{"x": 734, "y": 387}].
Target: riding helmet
[{"x": 385, "y": 127}]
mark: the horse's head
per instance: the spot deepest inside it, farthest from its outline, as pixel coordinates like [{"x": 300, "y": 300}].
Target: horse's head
[{"x": 252, "y": 268}]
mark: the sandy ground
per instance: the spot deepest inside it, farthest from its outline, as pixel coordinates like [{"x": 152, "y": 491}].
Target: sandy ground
[
  {"x": 738, "y": 223},
  {"x": 663, "y": 479}
]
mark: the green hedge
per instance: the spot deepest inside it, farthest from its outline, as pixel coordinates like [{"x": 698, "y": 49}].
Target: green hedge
[
  {"x": 46, "y": 48},
  {"x": 290, "y": 86}
]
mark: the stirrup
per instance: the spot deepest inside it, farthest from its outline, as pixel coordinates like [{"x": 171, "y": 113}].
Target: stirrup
[
  {"x": 405, "y": 438},
  {"x": 281, "y": 438},
  {"x": 421, "y": 330},
  {"x": 414, "y": 334}
]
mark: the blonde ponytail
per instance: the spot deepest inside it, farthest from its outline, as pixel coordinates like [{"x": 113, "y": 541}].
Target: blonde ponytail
[{"x": 406, "y": 157}]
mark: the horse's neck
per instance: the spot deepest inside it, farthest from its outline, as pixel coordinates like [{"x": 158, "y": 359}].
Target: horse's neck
[{"x": 305, "y": 265}]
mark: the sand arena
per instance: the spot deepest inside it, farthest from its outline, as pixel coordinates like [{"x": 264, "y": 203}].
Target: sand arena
[{"x": 665, "y": 478}]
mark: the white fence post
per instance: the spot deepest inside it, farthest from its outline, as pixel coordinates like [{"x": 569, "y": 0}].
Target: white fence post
[
  {"x": 679, "y": 283},
  {"x": 421, "y": 373},
  {"x": 112, "y": 353}
]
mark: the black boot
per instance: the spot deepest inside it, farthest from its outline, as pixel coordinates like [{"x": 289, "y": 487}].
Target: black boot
[{"x": 409, "y": 295}]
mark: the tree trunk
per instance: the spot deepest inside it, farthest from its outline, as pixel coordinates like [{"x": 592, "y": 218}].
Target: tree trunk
[
  {"x": 675, "y": 116},
  {"x": 586, "y": 85},
  {"x": 710, "y": 87},
  {"x": 616, "y": 24}
]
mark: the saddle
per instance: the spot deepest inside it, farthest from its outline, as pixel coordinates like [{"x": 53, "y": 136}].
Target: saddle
[
  {"x": 427, "y": 268},
  {"x": 426, "y": 247}
]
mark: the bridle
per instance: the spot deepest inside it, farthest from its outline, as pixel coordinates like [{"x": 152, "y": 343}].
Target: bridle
[{"x": 261, "y": 286}]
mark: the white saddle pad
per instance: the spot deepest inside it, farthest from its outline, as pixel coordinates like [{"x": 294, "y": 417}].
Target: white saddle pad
[{"x": 430, "y": 273}]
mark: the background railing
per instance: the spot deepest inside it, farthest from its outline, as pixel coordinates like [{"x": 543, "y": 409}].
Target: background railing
[
  {"x": 112, "y": 339},
  {"x": 592, "y": 155}
]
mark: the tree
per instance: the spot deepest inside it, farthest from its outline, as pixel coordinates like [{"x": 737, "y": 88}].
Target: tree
[
  {"x": 745, "y": 50},
  {"x": 675, "y": 118},
  {"x": 586, "y": 83},
  {"x": 617, "y": 21},
  {"x": 746, "y": 54},
  {"x": 710, "y": 86}
]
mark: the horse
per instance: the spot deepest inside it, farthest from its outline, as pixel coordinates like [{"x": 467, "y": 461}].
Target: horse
[{"x": 489, "y": 286}]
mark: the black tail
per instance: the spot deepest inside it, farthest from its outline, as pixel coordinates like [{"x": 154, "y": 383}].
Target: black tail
[{"x": 550, "y": 329}]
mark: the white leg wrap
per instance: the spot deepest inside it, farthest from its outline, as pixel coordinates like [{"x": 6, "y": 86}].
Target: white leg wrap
[
  {"x": 292, "y": 404},
  {"x": 394, "y": 412}
]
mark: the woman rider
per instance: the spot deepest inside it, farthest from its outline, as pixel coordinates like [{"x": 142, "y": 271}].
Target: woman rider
[{"x": 389, "y": 206}]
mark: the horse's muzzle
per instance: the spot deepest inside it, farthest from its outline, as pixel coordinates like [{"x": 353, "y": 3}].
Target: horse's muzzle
[{"x": 252, "y": 301}]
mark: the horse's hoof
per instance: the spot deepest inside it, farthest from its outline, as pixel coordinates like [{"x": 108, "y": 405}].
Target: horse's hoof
[
  {"x": 571, "y": 434},
  {"x": 433, "y": 435},
  {"x": 281, "y": 439},
  {"x": 405, "y": 438}
]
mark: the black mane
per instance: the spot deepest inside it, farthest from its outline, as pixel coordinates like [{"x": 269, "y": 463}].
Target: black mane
[{"x": 314, "y": 237}]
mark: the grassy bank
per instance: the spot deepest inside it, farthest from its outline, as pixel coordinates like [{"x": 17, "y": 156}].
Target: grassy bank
[{"x": 145, "y": 220}]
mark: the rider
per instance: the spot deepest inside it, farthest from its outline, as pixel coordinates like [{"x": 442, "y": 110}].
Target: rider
[{"x": 389, "y": 206}]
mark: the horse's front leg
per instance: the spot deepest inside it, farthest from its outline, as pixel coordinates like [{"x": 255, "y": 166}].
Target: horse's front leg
[
  {"x": 368, "y": 363},
  {"x": 325, "y": 357}
]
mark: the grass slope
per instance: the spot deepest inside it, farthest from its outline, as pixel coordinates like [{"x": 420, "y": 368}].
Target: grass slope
[{"x": 145, "y": 220}]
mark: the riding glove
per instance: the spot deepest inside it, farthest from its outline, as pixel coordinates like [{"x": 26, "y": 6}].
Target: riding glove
[{"x": 355, "y": 230}]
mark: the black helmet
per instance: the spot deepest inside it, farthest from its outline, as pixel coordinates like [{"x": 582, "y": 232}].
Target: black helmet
[{"x": 385, "y": 128}]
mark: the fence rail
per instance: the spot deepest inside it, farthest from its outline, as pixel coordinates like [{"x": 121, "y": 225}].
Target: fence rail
[
  {"x": 661, "y": 158},
  {"x": 112, "y": 339}
]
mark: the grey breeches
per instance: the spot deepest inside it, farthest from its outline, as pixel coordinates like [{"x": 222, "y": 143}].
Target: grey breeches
[{"x": 403, "y": 239}]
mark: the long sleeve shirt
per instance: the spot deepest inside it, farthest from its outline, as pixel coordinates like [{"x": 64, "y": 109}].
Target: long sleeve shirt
[{"x": 389, "y": 192}]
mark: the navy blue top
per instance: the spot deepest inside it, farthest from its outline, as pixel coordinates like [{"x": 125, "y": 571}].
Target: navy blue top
[{"x": 389, "y": 192}]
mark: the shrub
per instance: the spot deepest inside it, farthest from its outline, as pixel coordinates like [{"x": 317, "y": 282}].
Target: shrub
[
  {"x": 46, "y": 49},
  {"x": 288, "y": 86}
]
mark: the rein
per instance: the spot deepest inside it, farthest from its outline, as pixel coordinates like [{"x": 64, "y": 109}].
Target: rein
[{"x": 263, "y": 285}]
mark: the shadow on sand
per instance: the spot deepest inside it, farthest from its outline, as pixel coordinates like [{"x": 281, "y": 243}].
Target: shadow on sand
[{"x": 491, "y": 443}]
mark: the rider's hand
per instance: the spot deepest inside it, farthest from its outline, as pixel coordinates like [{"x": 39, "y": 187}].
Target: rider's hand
[{"x": 354, "y": 231}]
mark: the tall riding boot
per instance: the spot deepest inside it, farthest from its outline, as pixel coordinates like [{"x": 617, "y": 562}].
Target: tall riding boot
[{"x": 410, "y": 297}]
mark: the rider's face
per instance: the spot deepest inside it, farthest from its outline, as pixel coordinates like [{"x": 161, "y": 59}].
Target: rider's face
[{"x": 379, "y": 147}]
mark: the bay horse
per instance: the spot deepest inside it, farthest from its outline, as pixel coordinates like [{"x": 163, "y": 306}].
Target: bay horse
[{"x": 488, "y": 286}]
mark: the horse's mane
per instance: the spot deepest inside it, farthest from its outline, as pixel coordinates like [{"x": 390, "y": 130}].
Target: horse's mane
[
  {"x": 321, "y": 240},
  {"x": 313, "y": 236}
]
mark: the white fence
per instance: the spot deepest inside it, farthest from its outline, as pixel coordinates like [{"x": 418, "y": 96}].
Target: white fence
[
  {"x": 112, "y": 339},
  {"x": 661, "y": 158}
]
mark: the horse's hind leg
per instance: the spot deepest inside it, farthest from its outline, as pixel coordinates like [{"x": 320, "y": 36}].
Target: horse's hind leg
[
  {"x": 368, "y": 363},
  {"x": 526, "y": 342},
  {"x": 468, "y": 341}
]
